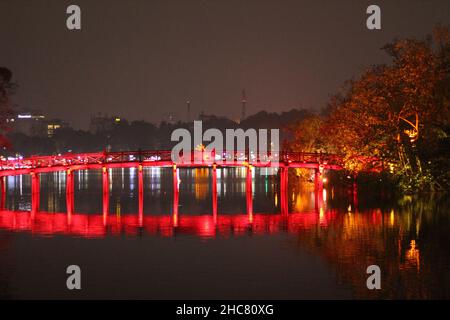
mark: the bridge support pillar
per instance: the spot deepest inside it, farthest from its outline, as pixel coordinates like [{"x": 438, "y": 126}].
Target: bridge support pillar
[
  {"x": 105, "y": 178},
  {"x": 249, "y": 192},
  {"x": 214, "y": 192},
  {"x": 318, "y": 200},
  {"x": 141, "y": 194},
  {"x": 318, "y": 188},
  {"x": 284, "y": 189},
  {"x": 318, "y": 180},
  {"x": 70, "y": 193},
  {"x": 3, "y": 191},
  {"x": 175, "y": 195},
  {"x": 35, "y": 193}
]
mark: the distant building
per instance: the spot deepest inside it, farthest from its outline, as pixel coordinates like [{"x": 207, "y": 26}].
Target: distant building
[
  {"x": 27, "y": 121},
  {"x": 101, "y": 123},
  {"x": 32, "y": 122},
  {"x": 53, "y": 125},
  {"x": 206, "y": 117}
]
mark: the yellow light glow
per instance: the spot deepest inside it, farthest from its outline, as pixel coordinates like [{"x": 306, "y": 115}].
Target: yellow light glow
[
  {"x": 413, "y": 255},
  {"x": 200, "y": 147}
]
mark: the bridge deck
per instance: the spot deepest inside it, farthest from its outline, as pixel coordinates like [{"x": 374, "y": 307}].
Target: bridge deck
[{"x": 158, "y": 158}]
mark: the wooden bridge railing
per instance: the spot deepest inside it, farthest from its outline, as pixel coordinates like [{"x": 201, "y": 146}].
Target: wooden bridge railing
[{"x": 163, "y": 156}]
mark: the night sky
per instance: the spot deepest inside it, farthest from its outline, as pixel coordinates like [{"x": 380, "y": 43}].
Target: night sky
[{"x": 142, "y": 59}]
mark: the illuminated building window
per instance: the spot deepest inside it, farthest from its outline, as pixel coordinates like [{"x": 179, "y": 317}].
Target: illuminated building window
[{"x": 51, "y": 129}]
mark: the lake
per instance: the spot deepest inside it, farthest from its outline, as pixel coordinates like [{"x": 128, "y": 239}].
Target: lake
[{"x": 319, "y": 249}]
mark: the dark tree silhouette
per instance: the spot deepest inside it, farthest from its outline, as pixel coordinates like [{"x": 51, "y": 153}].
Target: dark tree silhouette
[{"x": 6, "y": 90}]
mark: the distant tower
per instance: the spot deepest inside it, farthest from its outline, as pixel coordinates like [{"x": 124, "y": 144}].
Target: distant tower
[
  {"x": 188, "y": 103},
  {"x": 244, "y": 102}
]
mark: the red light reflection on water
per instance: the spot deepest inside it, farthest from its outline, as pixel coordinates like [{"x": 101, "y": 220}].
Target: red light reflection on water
[{"x": 204, "y": 226}]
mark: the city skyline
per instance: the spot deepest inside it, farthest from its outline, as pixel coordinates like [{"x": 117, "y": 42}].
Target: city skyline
[{"x": 153, "y": 57}]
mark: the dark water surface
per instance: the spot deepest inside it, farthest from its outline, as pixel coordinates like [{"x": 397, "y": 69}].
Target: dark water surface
[{"x": 320, "y": 249}]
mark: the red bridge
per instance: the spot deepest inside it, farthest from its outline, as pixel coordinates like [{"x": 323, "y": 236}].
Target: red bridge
[
  {"x": 138, "y": 159},
  {"x": 158, "y": 158}
]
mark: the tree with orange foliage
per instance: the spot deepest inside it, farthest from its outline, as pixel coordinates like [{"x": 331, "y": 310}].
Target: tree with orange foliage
[
  {"x": 398, "y": 113},
  {"x": 306, "y": 134}
]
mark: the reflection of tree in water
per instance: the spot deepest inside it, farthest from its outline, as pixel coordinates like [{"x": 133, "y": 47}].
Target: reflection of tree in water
[
  {"x": 201, "y": 176},
  {"x": 410, "y": 243}
]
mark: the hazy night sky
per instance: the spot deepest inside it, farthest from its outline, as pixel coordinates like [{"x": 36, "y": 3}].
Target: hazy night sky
[{"x": 141, "y": 59}]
